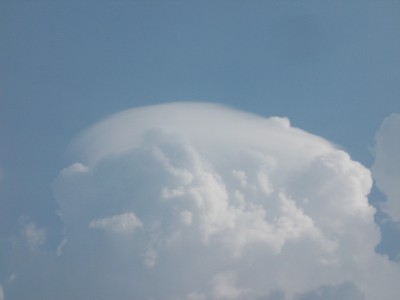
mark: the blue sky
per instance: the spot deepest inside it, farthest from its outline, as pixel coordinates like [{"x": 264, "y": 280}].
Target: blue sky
[{"x": 331, "y": 67}]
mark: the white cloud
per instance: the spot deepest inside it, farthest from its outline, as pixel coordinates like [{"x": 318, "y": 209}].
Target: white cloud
[
  {"x": 150, "y": 258},
  {"x": 12, "y": 277},
  {"x": 224, "y": 287},
  {"x": 123, "y": 223},
  {"x": 386, "y": 169},
  {"x": 186, "y": 217},
  {"x": 61, "y": 246},
  {"x": 73, "y": 169},
  {"x": 230, "y": 206},
  {"x": 34, "y": 236}
]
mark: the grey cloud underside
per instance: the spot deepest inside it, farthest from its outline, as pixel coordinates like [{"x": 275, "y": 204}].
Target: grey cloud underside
[{"x": 197, "y": 201}]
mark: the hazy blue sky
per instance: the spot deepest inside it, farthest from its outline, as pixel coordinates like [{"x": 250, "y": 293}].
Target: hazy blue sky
[{"x": 331, "y": 67}]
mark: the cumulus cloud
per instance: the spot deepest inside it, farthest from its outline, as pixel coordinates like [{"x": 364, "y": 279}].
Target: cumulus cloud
[
  {"x": 386, "y": 168},
  {"x": 214, "y": 203}
]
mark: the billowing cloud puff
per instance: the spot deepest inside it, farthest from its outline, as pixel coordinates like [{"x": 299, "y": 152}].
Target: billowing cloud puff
[
  {"x": 198, "y": 201},
  {"x": 386, "y": 169}
]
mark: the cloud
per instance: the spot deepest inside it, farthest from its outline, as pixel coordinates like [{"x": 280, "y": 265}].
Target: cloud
[
  {"x": 386, "y": 168},
  {"x": 224, "y": 287},
  {"x": 213, "y": 203},
  {"x": 124, "y": 223},
  {"x": 34, "y": 236}
]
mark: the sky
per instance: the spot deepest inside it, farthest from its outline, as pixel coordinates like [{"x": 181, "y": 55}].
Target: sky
[{"x": 242, "y": 126}]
